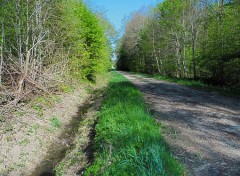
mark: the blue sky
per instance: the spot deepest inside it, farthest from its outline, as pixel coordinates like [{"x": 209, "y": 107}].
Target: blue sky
[{"x": 116, "y": 10}]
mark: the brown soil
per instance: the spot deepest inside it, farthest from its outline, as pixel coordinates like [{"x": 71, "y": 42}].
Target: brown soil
[
  {"x": 31, "y": 144},
  {"x": 202, "y": 128},
  {"x": 80, "y": 155},
  {"x": 27, "y": 139}
]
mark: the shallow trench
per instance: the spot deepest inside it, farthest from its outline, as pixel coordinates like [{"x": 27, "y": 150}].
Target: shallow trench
[{"x": 57, "y": 151}]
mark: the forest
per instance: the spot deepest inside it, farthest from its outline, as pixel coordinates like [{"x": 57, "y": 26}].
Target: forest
[
  {"x": 44, "y": 43},
  {"x": 190, "y": 39},
  {"x": 51, "y": 53},
  {"x": 64, "y": 111}
]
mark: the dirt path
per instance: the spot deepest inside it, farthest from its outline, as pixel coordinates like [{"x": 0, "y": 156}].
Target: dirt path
[{"x": 202, "y": 129}]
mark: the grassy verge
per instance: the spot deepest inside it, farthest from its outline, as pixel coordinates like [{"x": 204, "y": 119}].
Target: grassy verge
[
  {"x": 195, "y": 84},
  {"x": 128, "y": 141}
]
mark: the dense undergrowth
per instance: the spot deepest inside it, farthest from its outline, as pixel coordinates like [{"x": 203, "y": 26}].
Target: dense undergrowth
[
  {"x": 45, "y": 44},
  {"x": 128, "y": 140}
]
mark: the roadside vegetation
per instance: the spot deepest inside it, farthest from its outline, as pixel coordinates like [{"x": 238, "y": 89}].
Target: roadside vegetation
[
  {"x": 198, "y": 84},
  {"x": 46, "y": 46},
  {"x": 50, "y": 53},
  {"x": 192, "y": 39},
  {"x": 128, "y": 141}
]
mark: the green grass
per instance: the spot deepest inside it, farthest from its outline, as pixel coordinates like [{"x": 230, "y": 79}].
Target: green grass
[
  {"x": 66, "y": 88},
  {"x": 196, "y": 84},
  {"x": 128, "y": 140},
  {"x": 55, "y": 122}
]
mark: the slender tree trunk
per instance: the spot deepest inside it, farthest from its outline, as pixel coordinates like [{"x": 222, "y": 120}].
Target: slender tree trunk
[
  {"x": 178, "y": 56},
  {"x": 205, "y": 27},
  {"x": 161, "y": 63},
  {"x": 21, "y": 82},
  {"x": 184, "y": 61},
  {"x": 193, "y": 51},
  {"x": 27, "y": 28},
  {"x": 154, "y": 51},
  {"x": 18, "y": 30},
  {"x": 1, "y": 53}
]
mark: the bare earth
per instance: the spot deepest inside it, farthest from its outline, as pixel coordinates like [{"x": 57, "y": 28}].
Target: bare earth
[
  {"x": 202, "y": 128},
  {"x": 32, "y": 142}
]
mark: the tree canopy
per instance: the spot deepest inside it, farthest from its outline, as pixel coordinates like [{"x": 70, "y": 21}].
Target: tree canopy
[
  {"x": 185, "y": 39},
  {"x": 43, "y": 41}
]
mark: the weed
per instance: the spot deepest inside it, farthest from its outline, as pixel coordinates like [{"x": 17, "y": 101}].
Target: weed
[
  {"x": 32, "y": 129},
  {"x": 55, "y": 98},
  {"x": 128, "y": 140},
  {"x": 20, "y": 113},
  {"x": 55, "y": 122},
  {"x": 29, "y": 131},
  {"x": 36, "y": 127},
  {"x": 2, "y": 118},
  {"x": 59, "y": 169},
  {"x": 39, "y": 141},
  {"x": 24, "y": 142},
  {"x": 66, "y": 88},
  {"x": 8, "y": 127},
  {"x": 39, "y": 110},
  {"x": 41, "y": 100},
  {"x": 20, "y": 165},
  {"x": 46, "y": 101},
  {"x": 23, "y": 156},
  {"x": 90, "y": 90}
]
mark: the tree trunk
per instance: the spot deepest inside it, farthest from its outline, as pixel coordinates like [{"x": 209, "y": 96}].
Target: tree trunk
[
  {"x": 184, "y": 61},
  {"x": 178, "y": 55},
  {"x": 154, "y": 51},
  {"x": 21, "y": 82},
  {"x": 193, "y": 52},
  {"x": 1, "y": 54},
  {"x": 18, "y": 31}
]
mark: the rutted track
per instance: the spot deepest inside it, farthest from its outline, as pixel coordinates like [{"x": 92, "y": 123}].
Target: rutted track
[{"x": 202, "y": 128}]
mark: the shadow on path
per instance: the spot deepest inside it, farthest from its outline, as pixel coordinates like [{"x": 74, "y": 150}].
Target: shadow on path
[{"x": 202, "y": 128}]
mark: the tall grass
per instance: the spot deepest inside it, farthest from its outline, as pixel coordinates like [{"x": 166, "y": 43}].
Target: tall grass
[{"x": 128, "y": 140}]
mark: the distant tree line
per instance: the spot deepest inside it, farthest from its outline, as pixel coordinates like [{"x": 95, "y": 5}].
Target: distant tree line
[
  {"x": 44, "y": 41},
  {"x": 197, "y": 39}
]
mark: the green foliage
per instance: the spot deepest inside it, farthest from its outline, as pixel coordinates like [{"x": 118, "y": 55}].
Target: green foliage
[
  {"x": 24, "y": 142},
  {"x": 185, "y": 39},
  {"x": 38, "y": 109},
  {"x": 55, "y": 122},
  {"x": 2, "y": 118},
  {"x": 64, "y": 39},
  {"x": 8, "y": 127},
  {"x": 20, "y": 113},
  {"x": 66, "y": 88},
  {"x": 59, "y": 169},
  {"x": 82, "y": 32},
  {"x": 128, "y": 140},
  {"x": 43, "y": 102}
]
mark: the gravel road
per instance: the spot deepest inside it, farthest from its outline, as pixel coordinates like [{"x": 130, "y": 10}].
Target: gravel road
[{"x": 202, "y": 128}]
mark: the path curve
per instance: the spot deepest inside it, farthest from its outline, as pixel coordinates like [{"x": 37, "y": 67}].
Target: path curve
[{"x": 201, "y": 128}]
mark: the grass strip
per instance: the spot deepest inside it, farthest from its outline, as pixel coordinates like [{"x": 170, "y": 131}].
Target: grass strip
[
  {"x": 128, "y": 140},
  {"x": 195, "y": 84}
]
